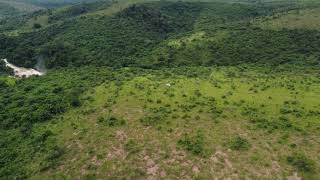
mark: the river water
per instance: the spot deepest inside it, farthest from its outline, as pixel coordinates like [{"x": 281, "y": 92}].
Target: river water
[{"x": 21, "y": 71}]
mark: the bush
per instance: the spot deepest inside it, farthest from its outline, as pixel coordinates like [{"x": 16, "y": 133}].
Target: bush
[
  {"x": 37, "y": 26},
  {"x": 75, "y": 102},
  {"x": 3, "y": 84},
  {"x": 240, "y": 144},
  {"x": 112, "y": 121},
  {"x": 193, "y": 143},
  {"x": 4, "y": 69},
  {"x": 301, "y": 162},
  {"x": 55, "y": 153}
]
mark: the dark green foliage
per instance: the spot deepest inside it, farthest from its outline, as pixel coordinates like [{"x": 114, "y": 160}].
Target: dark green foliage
[
  {"x": 282, "y": 123},
  {"x": 70, "y": 12},
  {"x": 77, "y": 10},
  {"x": 92, "y": 40},
  {"x": 36, "y": 26},
  {"x": 75, "y": 101},
  {"x": 238, "y": 143},
  {"x": 24, "y": 57},
  {"x": 5, "y": 70},
  {"x": 55, "y": 153},
  {"x": 112, "y": 121},
  {"x": 145, "y": 27},
  {"x": 6, "y": 44},
  {"x": 35, "y": 100},
  {"x": 3, "y": 84},
  {"x": 61, "y": 55},
  {"x": 301, "y": 162},
  {"x": 266, "y": 47},
  {"x": 193, "y": 143}
]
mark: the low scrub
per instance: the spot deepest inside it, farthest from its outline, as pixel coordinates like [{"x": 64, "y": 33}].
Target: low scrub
[
  {"x": 193, "y": 143},
  {"x": 239, "y": 144}
]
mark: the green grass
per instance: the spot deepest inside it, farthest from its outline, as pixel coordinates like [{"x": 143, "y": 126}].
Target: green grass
[
  {"x": 220, "y": 103},
  {"x": 114, "y": 8},
  {"x": 9, "y": 80},
  {"x": 295, "y": 19},
  {"x": 42, "y": 20}
]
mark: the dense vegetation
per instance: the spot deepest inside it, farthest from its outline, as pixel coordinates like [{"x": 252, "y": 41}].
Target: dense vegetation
[
  {"x": 173, "y": 90},
  {"x": 227, "y": 37},
  {"x": 6, "y": 11},
  {"x": 32, "y": 101}
]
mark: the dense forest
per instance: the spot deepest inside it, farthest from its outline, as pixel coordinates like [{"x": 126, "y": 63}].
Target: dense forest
[
  {"x": 160, "y": 89},
  {"x": 145, "y": 29}
]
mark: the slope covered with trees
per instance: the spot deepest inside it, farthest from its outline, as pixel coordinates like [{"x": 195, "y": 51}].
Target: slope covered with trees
[{"x": 72, "y": 38}]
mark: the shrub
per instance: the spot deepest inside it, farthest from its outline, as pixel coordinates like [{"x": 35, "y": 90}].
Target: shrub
[
  {"x": 151, "y": 120},
  {"x": 55, "y": 153},
  {"x": 240, "y": 144},
  {"x": 197, "y": 93},
  {"x": 193, "y": 143},
  {"x": 3, "y": 84},
  {"x": 75, "y": 102},
  {"x": 36, "y": 26},
  {"x": 301, "y": 162},
  {"x": 112, "y": 121}
]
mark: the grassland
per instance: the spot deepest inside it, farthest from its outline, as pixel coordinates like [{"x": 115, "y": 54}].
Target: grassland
[
  {"x": 295, "y": 19},
  {"x": 214, "y": 122},
  {"x": 8, "y": 80}
]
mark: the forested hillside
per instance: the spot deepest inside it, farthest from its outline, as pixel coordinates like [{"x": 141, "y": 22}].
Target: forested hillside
[
  {"x": 156, "y": 34},
  {"x": 138, "y": 89}
]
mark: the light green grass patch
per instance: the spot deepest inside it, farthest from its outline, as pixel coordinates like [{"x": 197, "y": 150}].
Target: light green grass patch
[{"x": 295, "y": 19}]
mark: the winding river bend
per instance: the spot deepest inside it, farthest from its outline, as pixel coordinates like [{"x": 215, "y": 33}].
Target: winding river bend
[{"x": 21, "y": 71}]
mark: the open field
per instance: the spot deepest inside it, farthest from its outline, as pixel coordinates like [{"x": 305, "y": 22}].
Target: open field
[
  {"x": 220, "y": 122},
  {"x": 296, "y": 19}
]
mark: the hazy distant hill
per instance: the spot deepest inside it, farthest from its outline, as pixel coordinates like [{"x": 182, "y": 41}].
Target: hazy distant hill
[
  {"x": 15, "y": 7},
  {"x": 52, "y": 3}
]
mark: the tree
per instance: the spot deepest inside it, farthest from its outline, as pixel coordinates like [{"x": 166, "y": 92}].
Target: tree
[{"x": 36, "y": 26}]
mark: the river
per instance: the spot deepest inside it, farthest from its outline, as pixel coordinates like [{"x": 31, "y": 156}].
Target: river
[{"x": 21, "y": 71}]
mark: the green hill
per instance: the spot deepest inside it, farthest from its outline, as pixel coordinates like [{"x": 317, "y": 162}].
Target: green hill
[
  {"x": 77, "y": 37},
  {"x": 161, "y": 90}
]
